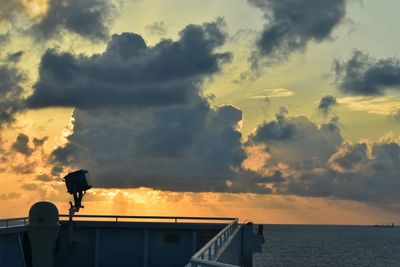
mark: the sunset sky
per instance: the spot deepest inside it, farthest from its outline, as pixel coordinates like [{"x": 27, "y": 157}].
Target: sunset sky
[{"x": 274, "y": 111}]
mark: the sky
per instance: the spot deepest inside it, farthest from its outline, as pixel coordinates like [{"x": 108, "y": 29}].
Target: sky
[{"x": 273, "y": 111}]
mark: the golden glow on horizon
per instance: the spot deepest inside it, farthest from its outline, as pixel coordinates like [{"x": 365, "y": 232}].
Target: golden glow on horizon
[{"x": 247, "y": 207}]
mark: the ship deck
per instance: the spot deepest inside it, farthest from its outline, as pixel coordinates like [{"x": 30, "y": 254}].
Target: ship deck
[{"x": 109, "y": 240}]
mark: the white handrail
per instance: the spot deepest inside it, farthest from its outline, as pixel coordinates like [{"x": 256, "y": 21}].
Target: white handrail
[
  {"x": 206, "y": 256},
  {"x": 206, "y": 263}
]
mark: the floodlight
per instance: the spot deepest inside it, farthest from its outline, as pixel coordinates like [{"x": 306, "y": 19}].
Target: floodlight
[{"x": 77, "y": 183}]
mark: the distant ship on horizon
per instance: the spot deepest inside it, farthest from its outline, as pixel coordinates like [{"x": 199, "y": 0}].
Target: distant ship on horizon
[{"x": 384, "y": 225}]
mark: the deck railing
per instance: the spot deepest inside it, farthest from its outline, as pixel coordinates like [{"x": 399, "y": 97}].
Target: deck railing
[
  {"x": 22, "y": 221},
  {"x": 207, "y": 255},
  {"x": 124, "y": 218},
  {"x": 12, "y": 222}
]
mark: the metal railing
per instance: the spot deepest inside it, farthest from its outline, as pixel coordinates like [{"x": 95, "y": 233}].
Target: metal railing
[
  {"x": 207, "y": 255},
  {"x": 119, "y": 218},
  {"x": 22, "y": 221},
  {"x": 12, "y": 222}
]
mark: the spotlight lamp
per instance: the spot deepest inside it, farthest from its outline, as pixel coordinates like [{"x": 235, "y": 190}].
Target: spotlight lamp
[{"x": 77, "y": 182}]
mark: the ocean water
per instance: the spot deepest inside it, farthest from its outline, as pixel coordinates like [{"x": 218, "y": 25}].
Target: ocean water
[{"x": 306, "y": 245}]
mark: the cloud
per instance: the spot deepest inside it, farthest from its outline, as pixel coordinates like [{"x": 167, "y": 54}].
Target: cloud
[
  {"x": 349, "y": 158},
  {"x": 129, "y": 73},
  {"x": 315, "y": 162},
  {"x": 39, "y": 141},
  {"x": 30, "y": 186},
  {"x": 276, "y": 177},
  {"x": 382, "y": 105},
  {"x": 158, "y": 28},
  {"x": 371, "y": 176},
  {"x": 326, "y": 104},
  {"x": 272, "y": 93},
  {"x": 188, "y": 147},
  {"x": 364, "y": 75},
  {"x": 15, "y": 57},
  {"x": 44, "y": 178},
  {"x": 292, "y": 24},
  {"x": 21, "y": 145},
  {"x": 277, "y": 130},
  {"x": 11, "y": 195},
  {"x": 4, "y": 38},
  {"x": 8, "y": 9},
  {"x": 11, "y": 92},
  {"x": 89, "y": 19},
  {"x": 395, "y": 115},
  {"x": 297, "y": 142},
  {"x": 48, "y": 19},
  {"x": 140, "y": 118},
  {"x": 24, "y": 167},
  {"x": 22, "y": 158}
]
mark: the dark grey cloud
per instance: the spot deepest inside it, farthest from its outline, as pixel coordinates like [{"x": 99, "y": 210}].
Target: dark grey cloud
[
  {"x": 34, "y": 156},
  {"x": 89, "y": 19},
  {"x": 158, "y": 28},
  {"x": 297, "y": 141},
  {"x": 276, "y": 130},
  {"x": 39, "y": 141},
  {"x": 21, "y": 145},
  {"x": 189, "y": 147},
  {"x": 140, "y": 118},
  {"x": 57, "y": 170},
  {"x": 292, "y": 24},
  {"x": 129, "y": 73},
  {"x": 364, "y": 75},
  {"x": 371, "y": 176},
  {"x": 4, "y": 38},
  {"x": 326, "y": 103},
  {"x": 276, "y": 177},
  {"x": 349, "y": 158},
  {"x": 11, "y": 92},
  {"x": 15, "y": 57},
  {"x": 315, "y": 162}
]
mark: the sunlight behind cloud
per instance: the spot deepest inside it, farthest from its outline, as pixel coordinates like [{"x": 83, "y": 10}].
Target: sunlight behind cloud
[{"x": 36, "y": 8}]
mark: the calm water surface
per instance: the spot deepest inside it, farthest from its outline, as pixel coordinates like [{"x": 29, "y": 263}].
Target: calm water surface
[{"x": 301, "y": 245}]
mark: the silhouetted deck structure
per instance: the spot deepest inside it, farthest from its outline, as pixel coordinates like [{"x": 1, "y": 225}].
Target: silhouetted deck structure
[{"x": 147, "y": 241}]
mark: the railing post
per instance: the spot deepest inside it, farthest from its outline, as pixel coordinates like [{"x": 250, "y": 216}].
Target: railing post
[
  {"x": 145, "y": 248},
  {"x": 96, "y": 247}
]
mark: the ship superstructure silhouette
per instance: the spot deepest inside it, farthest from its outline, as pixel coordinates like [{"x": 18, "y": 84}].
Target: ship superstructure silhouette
[{"x": 47, "y": 238}]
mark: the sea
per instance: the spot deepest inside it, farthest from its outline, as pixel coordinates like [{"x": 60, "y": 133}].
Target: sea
[{"x": 322, "y": 245}]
